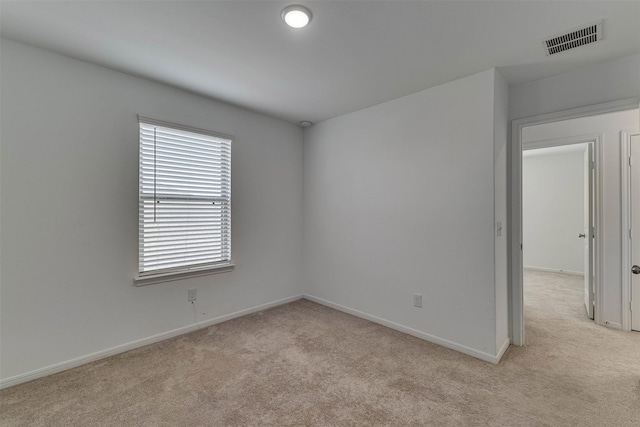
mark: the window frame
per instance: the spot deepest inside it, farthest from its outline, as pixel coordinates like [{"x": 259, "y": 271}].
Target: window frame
[{"x": 193, "y": 270}]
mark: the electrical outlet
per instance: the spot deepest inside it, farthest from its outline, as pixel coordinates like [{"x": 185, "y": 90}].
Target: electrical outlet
[
  {"x": 417, "y": 300},
  {"x": 192, "y": 294}
]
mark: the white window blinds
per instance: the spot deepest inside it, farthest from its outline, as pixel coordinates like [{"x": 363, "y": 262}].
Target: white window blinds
[{"x": 184, "y": 198}]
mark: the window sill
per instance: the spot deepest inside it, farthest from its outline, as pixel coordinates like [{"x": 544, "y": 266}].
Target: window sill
[{"x": 179, "y": 275}]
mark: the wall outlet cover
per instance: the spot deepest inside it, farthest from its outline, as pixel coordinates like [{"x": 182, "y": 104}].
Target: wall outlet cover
[{"x": 417, "y": 300}]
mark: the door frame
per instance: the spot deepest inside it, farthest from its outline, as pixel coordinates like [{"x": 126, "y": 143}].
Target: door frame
[
  {"x": 516, "y": 301},
  {"x": 625, "y": 186}
]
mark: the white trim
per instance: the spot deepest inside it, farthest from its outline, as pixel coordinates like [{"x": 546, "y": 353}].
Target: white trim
[
  {"x": 503, "y": 349},
  {"x": 553, "y": 270},
  {"x": 413, "y": 332},
  {"x": 625, "y": 212},
  {"x": 613, "y": 325},
  {"x": 516, "y": 306},
  {"x": 246, "y": 311},
  {"x": 82, "y": 360},
  {"x": 598, "y": 202},
  {"x": 556, "y": 142},
  {"x": 178, "y": 275}
]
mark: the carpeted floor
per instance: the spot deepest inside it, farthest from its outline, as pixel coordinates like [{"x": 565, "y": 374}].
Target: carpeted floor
[{"x": 303, "y": 364}]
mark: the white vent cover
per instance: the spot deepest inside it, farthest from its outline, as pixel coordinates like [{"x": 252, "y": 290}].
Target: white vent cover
[{"x": 572, "y": 39}]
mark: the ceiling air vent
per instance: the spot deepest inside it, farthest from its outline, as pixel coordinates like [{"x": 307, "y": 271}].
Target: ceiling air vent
[{"x": 577, "y": 37}]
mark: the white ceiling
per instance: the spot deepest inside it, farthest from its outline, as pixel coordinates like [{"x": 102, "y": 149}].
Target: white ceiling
[{"x": 354, "y": 54}]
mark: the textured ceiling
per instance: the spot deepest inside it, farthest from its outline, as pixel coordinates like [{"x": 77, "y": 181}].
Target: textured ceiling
[{"x": 354, "y": 54}]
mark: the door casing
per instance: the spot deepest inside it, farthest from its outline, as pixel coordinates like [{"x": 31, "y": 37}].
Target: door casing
[
  {"x": 514, "y": 205},
  {"x": 625, "y": 181}
]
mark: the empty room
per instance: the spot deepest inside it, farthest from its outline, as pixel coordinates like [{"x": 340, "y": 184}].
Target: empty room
[{"x": 319, "y": 213}]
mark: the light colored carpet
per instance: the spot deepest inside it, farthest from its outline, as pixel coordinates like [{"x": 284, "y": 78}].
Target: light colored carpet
[{"x": 303, "y": 364}]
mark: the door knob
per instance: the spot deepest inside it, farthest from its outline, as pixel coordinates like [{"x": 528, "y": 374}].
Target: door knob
[
  {"x": 635, "y": 269},
  {"x": 582, "y": 235}
]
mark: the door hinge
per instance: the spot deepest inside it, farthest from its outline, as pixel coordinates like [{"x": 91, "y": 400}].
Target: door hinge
[
  {"x": 593, "y": 165},
  {"x": 630, "y": 162}
]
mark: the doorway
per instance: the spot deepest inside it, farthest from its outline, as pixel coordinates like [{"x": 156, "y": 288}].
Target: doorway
[
  {"x": 608, "y": 310},
  {"x": 558, "y": 216}
]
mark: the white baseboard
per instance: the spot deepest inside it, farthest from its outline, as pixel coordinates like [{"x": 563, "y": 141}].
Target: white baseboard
[
  {"x": 261, "y": 307},
  {"x": 503, "y": 349},
  {"x": 82, "y": 360},
  {"x": 553, "y": 270},
  {"x": 414, "y": 332},
  {"x": 613, "y": 325}
]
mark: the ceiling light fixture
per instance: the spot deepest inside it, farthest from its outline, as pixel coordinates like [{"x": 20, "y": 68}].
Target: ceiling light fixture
[
  {"x": 305, "y": 123},
  {"x": 296, "y": 16}
]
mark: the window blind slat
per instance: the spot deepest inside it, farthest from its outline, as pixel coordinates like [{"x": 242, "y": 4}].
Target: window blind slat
[
  {"x": 162, "y": 159},
  {"x": 194, "y": 144},
  {"x": 177, "y": 241},
  {"x": 168, "y": 145},
  {"x": 193, "y": 259},
  {"x": 185, "y": 188},
  {"x": 177, "y": 135},
  {"x": 176, "y": 170},
  {"x": 169, "y": 251}
]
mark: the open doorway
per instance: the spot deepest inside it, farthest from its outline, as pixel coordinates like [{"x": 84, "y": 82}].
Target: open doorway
[
  {"x": 605, "y": 121},
  {"x": 558, "y": 234}
]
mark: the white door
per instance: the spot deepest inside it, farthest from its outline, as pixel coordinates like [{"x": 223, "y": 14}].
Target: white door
[
  {"x": 635, "y": 231},
  {"x": 587, "y": 233}
]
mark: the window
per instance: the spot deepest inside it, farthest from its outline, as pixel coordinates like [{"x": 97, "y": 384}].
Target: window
[{"x": 184, "y": 200}]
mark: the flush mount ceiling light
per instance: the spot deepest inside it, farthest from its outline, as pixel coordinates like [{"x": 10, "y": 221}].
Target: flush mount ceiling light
[{"x": 296, "y": 16}]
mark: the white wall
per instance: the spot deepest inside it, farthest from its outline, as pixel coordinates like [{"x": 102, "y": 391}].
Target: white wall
[
  {"x": 70, "y": 210},
  {"x": 553, "y": 209},
  {"x": 399, "y": 200},
  {"x": 589, "y": 85},
  {"x": 609, "y": 126}
]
